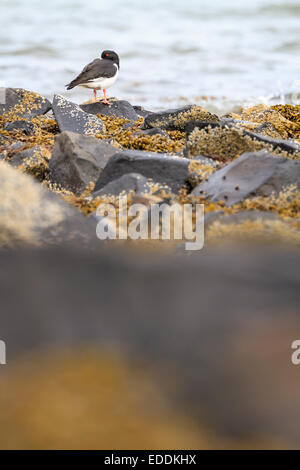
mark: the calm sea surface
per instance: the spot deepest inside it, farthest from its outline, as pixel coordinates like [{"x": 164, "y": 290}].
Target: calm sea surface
[{"x": 216, "y": 53}]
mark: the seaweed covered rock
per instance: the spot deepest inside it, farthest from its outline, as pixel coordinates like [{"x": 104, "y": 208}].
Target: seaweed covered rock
[
  {"x": 162, "y": 168},
  {"x": 126, "y": 183},
  {"x": 256, "y": 173},
  {"x": 23, "y": 104},
  {"x": 29, "y": 214},
  {"x": 225, "y": 142},
  {"x": 176, "y": 119},
  {"x": 77, "y": 160},
  {"x": 34, "y": 160},
  {"x": 272, "y": 115},
  {"x": 70, "y": 117},
  {"x": 121, "y": 108}
]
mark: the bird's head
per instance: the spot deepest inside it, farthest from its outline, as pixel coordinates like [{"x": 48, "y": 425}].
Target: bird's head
[{"x": 111, "y": 55}]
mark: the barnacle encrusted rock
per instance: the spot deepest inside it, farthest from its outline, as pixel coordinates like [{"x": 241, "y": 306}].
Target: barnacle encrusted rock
[
  {"x": 23, "y": 104},
  {"x": 256, "y": 173},
  {"x": 162, "y": 168},
  {"x": 120, "y": 108},
  {"x": 77, "y": 160},
  {"x": 176, "y": 119},
  {"x": 262, "y": 113},
  {"x": 34, "y": 160},
  {"x": 226, "y": 142},
  {"x": 70, "y": 117}
]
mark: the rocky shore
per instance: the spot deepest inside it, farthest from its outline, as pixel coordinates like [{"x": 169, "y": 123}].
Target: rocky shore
[
  {"x": 245, "y": 168},
  {"x": 212, "y": 330}
]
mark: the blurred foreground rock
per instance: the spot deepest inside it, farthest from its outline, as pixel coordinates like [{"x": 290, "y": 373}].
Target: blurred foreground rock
[
  {"x": 216, "y": 329},
  {"x": 31, "y": 215}
]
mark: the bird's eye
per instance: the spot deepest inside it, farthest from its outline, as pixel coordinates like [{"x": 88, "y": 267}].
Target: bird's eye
[{"x": 107, "y": 55}]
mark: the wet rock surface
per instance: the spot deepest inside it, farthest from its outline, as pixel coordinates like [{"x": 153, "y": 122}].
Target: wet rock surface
[
  {"x": 119, "y": 108},
  {"x": 70, "y": 117},
  {"x": 258, "y": 173},
  {"x": 24, "y": 104},
  {"x": 165, "y": 169},
  {"x": 77, "y": 160}
]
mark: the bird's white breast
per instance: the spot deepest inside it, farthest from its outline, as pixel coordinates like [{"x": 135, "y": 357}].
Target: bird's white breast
[{"x": 102, "y": 83}]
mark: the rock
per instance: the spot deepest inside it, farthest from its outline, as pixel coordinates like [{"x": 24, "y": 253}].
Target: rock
[
  {"x": 225, "y": 141},
  {"x": 141, "y": 111},
  {"x": 34, "y": 160},
  {"x": 221, "y": 323},
  {"x": 70, "y": 117},
  {"x": 256, "y": 173},
  {"x": 205, "y": 160},
  {"x": 20, "y": 103},
  {"x": 176, "y": 119},
  {"x": 11, "y": 147},
  {"x": 239, "y": 217},
  {"x": 77, "y": 160},
  {"x": 153, "y": 131},
  {"x": 162, "y": 168},
  {"x": 121, "y": 108},
  {"x": 30, "y": 214},
  {"x": 26, "y": 126},
  {"x": 126, "y": 183},
  {"x": 285, "y": 145}
]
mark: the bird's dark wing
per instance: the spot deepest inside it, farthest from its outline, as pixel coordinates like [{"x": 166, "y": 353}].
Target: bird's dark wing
[{"x": 97, "y": 68}]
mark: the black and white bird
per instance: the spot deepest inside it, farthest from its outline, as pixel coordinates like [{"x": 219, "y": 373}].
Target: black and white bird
[{"x": 100, "y": 74}]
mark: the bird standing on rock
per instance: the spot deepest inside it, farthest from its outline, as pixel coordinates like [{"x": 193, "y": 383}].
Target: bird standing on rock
[{"x": 100, "y": 74}]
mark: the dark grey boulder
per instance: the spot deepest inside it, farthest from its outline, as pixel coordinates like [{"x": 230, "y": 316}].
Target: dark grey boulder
[
  {"x": 126, "y": 183},
  {"x": 153, "y": 131},
  {"x": 25, "y": 126},
  {"x": 162, "y": 168},
  {"x": 121, "y": 108},
  {"x": 77, "y": 160},
  {"x": 254, "y": 173},
  {"x": 24, "y": 104},
  {"x": 142, "y": 111},
  {"x": 70, "y": 117},
  {"x": 176, "y": 119}
]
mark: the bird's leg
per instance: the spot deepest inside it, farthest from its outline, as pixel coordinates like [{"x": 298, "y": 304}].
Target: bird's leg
[
  {"x": 105, "y": 99},
  {"x": 95, "y": 95}
]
